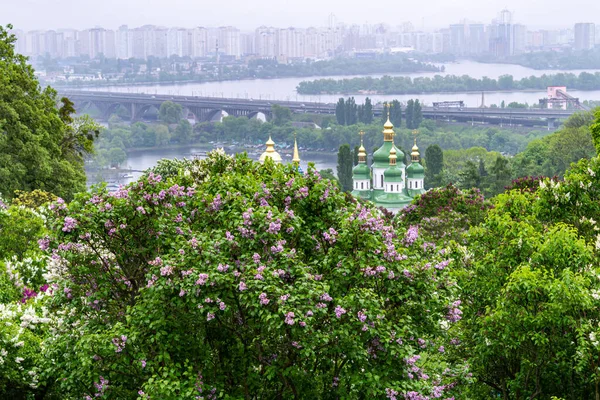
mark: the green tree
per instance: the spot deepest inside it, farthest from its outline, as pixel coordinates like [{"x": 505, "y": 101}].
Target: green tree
[
  {"x": 500, "y": 176},
  {"x": 240, "y": 268},
  {"x": 340, "y": 111},
  {"x": 355, "y": 155},
  {"x": 367, "y": 113},
  {"x": 159, "y": 135},
  {"x": 328, "y": 174},
  {"x": 417, "y": 115},
  {"x": 351, "y": 111},
  {"x": 116, "y": 156},
  {"x": 469, "y": 177},
  {"x": 281, "y": 115},
  {"x": 39, "y": 149},
  {"x": 434, "y": 164},
  {"x": 410, "y": 114},
  {"x": 344, "y": 167},
  {"x": 183, "y": 131},
  {"x": 396, "y": 113},
  {"x": 169, "y": 112}
]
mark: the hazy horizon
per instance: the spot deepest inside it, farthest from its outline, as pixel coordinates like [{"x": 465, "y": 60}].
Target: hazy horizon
[{"x": 71, "y": 14}]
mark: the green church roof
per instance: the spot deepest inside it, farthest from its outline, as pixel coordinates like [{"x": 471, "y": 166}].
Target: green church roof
[
  {"x": 415, "y": 170},
  {"x": 361, "y": 171},
  {"x": 381, "y": 156},
  {"x": 392, "y": 174}
]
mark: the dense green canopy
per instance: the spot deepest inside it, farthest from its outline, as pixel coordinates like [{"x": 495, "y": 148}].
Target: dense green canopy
[{"x": 36, "y": 150}]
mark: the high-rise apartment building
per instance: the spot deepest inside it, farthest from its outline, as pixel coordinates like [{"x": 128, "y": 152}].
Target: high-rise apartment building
[{"x": 585, "y": 36}]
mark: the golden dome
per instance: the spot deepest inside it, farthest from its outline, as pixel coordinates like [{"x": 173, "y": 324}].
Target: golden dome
[
  {"x": 388, "y": 131},
  {"x": 393, "y": 156},
  {"x": 270, "y": 152},
  {"x": 415, "y": 152},
  {"x": 296, "y": 158}
]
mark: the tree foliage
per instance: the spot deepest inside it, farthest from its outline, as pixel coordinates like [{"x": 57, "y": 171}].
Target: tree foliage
[
  {"x": 169, "y": 112},
  {"x": 344, "y": 167},
  {"x": 40, "y": 147},
  {"x": 225, "y": 277}
]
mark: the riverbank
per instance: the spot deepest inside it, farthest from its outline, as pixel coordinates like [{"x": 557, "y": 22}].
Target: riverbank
[{"x": 438, "y": 84}]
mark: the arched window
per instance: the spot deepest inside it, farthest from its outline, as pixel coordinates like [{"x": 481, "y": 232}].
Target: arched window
[
  {"x": 362, "y": 185},
  {"x": 381, "y": 180}
]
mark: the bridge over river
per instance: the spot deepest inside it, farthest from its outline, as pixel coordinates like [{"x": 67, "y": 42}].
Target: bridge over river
[{"x": 207, "y": 108}]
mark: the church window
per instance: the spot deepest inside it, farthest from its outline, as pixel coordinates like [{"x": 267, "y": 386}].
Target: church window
[
  {"x": 381, "y": 180},
  {"x": 362, "y": 185}
]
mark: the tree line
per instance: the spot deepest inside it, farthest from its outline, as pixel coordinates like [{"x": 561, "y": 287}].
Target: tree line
[{"x": 447, "y": 83}]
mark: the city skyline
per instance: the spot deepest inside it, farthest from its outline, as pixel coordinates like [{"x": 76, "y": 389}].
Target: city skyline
[{"x": 68, "y": 14}]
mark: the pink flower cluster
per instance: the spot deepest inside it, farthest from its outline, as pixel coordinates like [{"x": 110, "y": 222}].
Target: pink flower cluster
[
  {"x": 263, "y": 299},
  {"x": 70, "y": 224},
  {"x": 119, "y": 343}
]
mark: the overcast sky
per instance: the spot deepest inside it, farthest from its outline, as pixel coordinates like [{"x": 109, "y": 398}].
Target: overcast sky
[{"x": 248, "y": 14}]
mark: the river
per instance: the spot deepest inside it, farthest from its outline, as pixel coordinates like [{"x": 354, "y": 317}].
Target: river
[
  {"x": 142, "y": 160},
  {"x": 285, "y": 88}
]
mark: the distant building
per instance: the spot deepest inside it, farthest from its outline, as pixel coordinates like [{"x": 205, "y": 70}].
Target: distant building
[
  {"x": 389, "y": 183},
  {"x": 585, "y": 36}
]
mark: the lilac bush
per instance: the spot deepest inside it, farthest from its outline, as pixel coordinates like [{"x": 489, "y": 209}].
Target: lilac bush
[{"x": 228, "y": 278}]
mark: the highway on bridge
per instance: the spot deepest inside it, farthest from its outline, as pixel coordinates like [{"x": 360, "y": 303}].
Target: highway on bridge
[{"x": 205, "y": 108}]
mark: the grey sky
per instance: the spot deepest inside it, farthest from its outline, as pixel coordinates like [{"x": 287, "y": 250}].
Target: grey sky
[{"x": 248, "y": 14}]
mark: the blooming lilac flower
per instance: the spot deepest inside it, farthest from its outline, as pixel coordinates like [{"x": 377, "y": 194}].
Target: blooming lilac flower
[
  {"x": 331, "y": 236},
  {"x": 28, "y": 294},
  {"x": 202, "y": 278},
  {"x": 362, "y": 316},
  {"x": 210, "y": 316},
  {"x": 216, "y": 203},
  {"x": 289, "y": 318},
  {"x": 411, "y": 235},
  {"x": 44, "y": 243},
  {"x": 264, "y": 203},
  {"x": 222, "y": 268},
  {"x": 278, "y": 248},
  {"x": 70, "y": 224},
  {"x": 422, "y": 343},
  {"x": 229, "y": 236},
  {"x": 274, "y": 227},
  {"x": 442, "y": 265},
  {"x": 391, "y": 394},
  {"x": 290, "y": 229},
  {"x": 321, "y": 305},
  {"x": 339, "y": 311},
  {"x": 441, "y": 349},
  {"x": 302, "y": 324},
  {"x": 181, "y": 293},
  {"x": 143, "y": 362},
  {"x": 284, "y": 297},
  {"x": 263, "y": 299},
  {"x": 141, "y": 210},
  {"x": 242, "y": 286},
  {"x": 309, "y": 313},
  {"x": 222, "y": 306},
  {"x": 454, "y": 342},
  {"x": 166, "y": 270},
  {"x": 303, "y": 191},
  {"x": 326, "y": 297},
  {"x": 258, "y": 277},
  {"x": 336, "y": 381}
]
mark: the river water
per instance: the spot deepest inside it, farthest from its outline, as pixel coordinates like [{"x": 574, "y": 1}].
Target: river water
[
  {"x": 285, "y": 88},
  {"x": 142, "y": 160}
]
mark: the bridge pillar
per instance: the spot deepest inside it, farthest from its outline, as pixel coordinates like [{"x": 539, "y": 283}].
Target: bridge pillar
[
  {"x": 133, "y": 112},
  {"x": 551, "y": 124}
]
